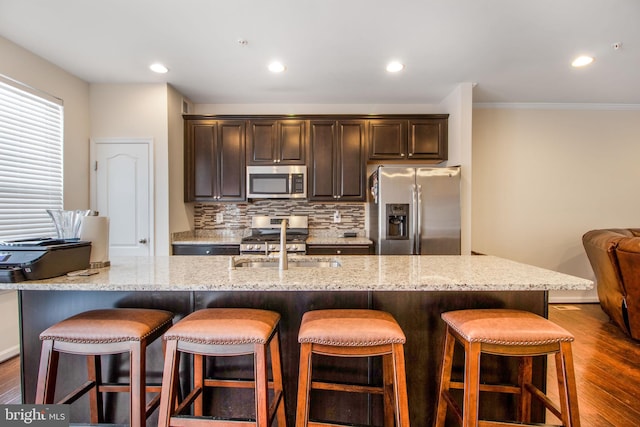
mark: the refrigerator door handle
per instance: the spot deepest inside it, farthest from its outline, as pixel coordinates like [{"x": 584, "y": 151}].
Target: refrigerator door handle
[
  {"x": 414, "y": 221},
  {"x": 419, "y": 220}
]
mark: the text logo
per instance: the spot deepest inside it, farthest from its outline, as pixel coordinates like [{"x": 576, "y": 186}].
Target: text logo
[{"x": 34, "y": 415}]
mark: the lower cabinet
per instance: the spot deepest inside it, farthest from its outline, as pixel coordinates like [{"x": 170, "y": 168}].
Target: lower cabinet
[
  {"x": 206, "y": 249},
  {"x": 340, "y": 250}
]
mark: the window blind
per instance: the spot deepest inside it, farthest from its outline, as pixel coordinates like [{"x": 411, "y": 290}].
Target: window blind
[{"x": 30, "y": 161}]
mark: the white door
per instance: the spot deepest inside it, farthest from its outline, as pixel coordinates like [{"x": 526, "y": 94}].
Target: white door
[{"x": 122, "y": 191}]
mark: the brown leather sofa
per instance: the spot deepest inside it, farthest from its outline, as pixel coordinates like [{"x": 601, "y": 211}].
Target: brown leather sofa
[{"x": 614, "y": 255}]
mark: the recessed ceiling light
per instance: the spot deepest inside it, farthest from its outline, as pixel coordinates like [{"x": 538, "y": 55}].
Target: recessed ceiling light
[
  {"x": 582, "y": 61},
  {"x": 394, "y": 67},
  {"x": 158, "y": 68},
  {"x": 277, "y": 67}
]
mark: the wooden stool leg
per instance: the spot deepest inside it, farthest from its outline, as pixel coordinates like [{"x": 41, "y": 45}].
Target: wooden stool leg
[
  {"x": 47, "y": 373},
  {"x": 388, "y": 389},
  {"x": 169, "y": 379},
  {"x": 567, "y": 386},
  {"x": 400, "y": 386},
  {"x": 276, "y": 369},
  {"x": 261, "y": 385},
  {"x": 95, "y": 396},
  {"x": 304, "y": 385},
  {"x": 198, "y": 383},
  {"x": 525, "y": 375},
  {"x": 445, "y": 378},
  {"x": 471, "y": 385},
  {"x": 137, "y": 381}
]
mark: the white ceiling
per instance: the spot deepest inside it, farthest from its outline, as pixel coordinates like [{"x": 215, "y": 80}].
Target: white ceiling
[{"x": 336, "y": 50}]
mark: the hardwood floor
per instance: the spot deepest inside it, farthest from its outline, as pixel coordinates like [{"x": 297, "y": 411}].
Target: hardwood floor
[
  {"x": 10, "y": 381},
  {"x": 607, "y": 366}
]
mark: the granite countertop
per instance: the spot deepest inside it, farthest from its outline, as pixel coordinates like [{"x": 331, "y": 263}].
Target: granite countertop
[
  {"x": 207, "y": 240},
  {"x": 328, "y": 240},
  {"x": 355, "y": 273},
  {"x": 222, "y": 239}
]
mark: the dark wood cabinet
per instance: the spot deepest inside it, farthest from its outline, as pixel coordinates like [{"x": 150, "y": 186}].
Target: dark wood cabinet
[
  {"x": 214, "y": 158},
  {"x": 409, "y": 139},
  {"x": 335, "y": 148},
  {"x": 340, "y": 249},
  {"x": 388, "y": 139},
  {"x": 428, "y": 139},
  {"x": 337, "y": 160},
  {"x": 272, "y": 142},
  {"x": 187, "y": 249}
]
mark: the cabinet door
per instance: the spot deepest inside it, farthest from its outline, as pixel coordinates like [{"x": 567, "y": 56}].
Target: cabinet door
[
  {"x": 231, "y": 161},
  {"x": 387, "y": 139},
  {"x": 200, "y": 160},
  {"x": 214, "y": 161},
  {"x": 262, "y": 136},
  {"x": 292, "y": 138},
  {"x": 351, "y": 161},
  {"x": 276, "y": 142},
  {"x": 339, "y": 250},
  {"x": 428, "y": 139},
  {"x": 322, "y": 148},
  {"x": 187, "y": 249}
]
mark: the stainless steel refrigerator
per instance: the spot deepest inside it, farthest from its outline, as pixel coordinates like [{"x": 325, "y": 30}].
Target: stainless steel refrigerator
[{"x": 415, "y": 210}]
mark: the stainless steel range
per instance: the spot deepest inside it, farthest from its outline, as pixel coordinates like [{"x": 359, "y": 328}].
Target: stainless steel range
[{"x": 265, "y": 235}]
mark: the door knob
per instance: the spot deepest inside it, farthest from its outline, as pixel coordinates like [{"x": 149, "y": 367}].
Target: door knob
[{"x": 143, "y": 241}]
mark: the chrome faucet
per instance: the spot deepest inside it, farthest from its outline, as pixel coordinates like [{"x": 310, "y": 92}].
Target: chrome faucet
[{"x": 284, "y": 262}]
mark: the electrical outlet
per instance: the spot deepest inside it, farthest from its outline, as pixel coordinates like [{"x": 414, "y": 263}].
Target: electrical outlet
[
  {"x": 219, "y": 218},
  {"x": 336, "y": 217}
]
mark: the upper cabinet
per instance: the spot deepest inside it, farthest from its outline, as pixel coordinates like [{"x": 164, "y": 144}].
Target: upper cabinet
[
  {"x": 408, "y": 139},
  {"x": 214, "y": 157},
  {"x": 337, "y": 160},
  {"x": 273, "y": 142}
]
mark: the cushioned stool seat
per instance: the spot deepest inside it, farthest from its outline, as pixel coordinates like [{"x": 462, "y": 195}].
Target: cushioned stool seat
[
  {"x": 354, "y": 333},
  {"x": 505, "y": 333},
  {"x": 100, "y": 332},
  {"x": 223, "y": 332}
]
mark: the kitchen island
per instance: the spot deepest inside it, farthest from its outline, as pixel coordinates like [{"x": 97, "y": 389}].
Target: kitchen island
[{"x": 415, "y": 289}]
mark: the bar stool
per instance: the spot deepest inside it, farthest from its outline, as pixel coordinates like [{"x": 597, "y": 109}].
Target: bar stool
[
  {"x": 505, "y": 333},
  {"x": 354, "y": 333},
  {"x": 223, "y": 332},
  {"x": 101, "y": 332}
]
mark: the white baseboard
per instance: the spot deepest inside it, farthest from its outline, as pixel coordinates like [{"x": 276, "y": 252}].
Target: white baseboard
[{"x": 10, "y": 352}]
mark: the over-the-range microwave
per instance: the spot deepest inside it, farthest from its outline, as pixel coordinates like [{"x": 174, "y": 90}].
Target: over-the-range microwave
[{"x": 277, "y": 182}]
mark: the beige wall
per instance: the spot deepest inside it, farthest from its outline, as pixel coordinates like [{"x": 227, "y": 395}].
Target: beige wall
[
  {"x": 138, "y": 111},
  {"x": 25, "y": 67},
  {"x": 542, "y": 178},
  {"x": 180, "y": 213}
]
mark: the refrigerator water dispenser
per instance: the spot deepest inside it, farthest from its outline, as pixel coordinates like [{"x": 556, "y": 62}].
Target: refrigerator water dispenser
[{"x": 397, "y": 221}]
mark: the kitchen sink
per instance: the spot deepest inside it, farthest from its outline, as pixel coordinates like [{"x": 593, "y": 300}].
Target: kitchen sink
[{"x": 292, "y": 263}]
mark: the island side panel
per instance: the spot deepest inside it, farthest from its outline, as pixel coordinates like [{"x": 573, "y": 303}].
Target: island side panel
[
  {"x": 41, "y": 309},
  {"x": 418, "y": 313}
]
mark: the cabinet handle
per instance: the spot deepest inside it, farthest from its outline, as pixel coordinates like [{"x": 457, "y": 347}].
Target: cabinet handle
[
  {"x": 142, "y": 241},
  {"x": 410, "y": 154},
  {"x": 338, "y": 252},
  {"x": 401, "y": 154},
  {"x": 207, "y": 252}
]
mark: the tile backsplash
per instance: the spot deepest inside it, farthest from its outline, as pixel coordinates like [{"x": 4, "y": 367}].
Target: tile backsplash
[{"x": 236, "y": 217}]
